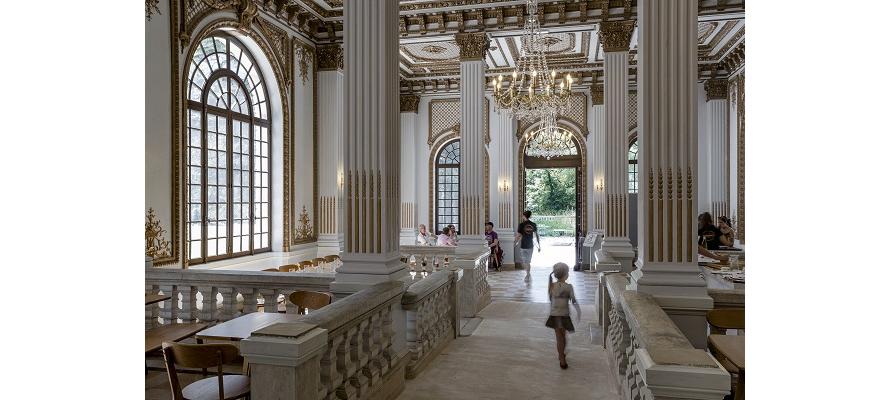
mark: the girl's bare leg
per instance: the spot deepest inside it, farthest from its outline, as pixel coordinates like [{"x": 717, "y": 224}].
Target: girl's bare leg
[{"x": 561, "y": 344}]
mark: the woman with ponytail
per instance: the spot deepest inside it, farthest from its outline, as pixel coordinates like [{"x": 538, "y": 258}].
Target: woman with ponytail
[{"x": 560, "y": 294}]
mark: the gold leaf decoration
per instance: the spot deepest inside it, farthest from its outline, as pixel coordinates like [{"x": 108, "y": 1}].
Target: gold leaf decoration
[
  {"x": 304, "y": 230},
  {"x": 155, "y": 244}
]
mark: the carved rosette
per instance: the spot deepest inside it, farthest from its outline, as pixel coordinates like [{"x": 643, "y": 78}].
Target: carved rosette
[
  {"x": 717, "y": 89},
  {"x": 615, "y": 36},
  {"x": 409, "y": 103},
  {"x": 472, "y": 45},
  {"x": 597, "y": 95},
  {"x": 330, "y": 57}
]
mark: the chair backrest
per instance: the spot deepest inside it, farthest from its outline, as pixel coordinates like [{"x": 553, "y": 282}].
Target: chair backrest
[
  {"x": 289, "y": 268},
  {"x": 273, "y": 269},
  {"x": 722, "y": 319},
  {"x": 317, "y": 261},
  {"x": 197, "y": 356},
  {"x": 331, "y": 258},
  {"x": 305, "y": 264},
  {"x": 309, "y": 300}
]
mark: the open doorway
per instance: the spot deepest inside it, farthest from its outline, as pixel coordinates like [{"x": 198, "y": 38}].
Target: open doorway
[{"x": 552, "y": 188}]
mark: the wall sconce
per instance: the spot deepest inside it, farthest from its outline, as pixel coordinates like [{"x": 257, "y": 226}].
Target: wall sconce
[
  {"x": 504, "y": 186},
  {"x": 340, "y": 179},
  {"x": 599, "y": 185}
]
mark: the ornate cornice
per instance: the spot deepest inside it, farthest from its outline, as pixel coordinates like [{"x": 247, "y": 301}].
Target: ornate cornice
[
  {"x": 472, "y": 45},
  {"x": 409, "y": 103},
  {"x": 716, "y": 89},
  {"x": 597, "y": 95},
  {"x": 330, "y": 57},
  {"x": 615, "y": 35}
]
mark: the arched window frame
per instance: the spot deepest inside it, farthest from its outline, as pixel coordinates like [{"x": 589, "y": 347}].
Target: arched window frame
[
  {"x": 247, "y": 229},
  {"x": 447, "y": 186},
  {"x": 632, "y": 168}
]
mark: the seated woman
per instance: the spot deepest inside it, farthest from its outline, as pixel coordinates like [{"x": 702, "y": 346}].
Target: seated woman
[
  {"x": 445, "y": 239},
  {"x": 423, "y": 237},
  {"x": 497, "y": 254},
  {"x": 708, "y": 234},
  {"x": 727, "y": 234}
]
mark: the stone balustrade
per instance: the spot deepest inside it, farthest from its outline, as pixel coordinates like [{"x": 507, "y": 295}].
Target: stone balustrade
[
  {"x": 652, "y": 358},
  {"x": 432, "y": 321},
  {"x": 428, "y": 254},
  {"x": 213, "y": 295},
  {"x": 342, "y": 351},
  {"x": 474, "y": 293}
]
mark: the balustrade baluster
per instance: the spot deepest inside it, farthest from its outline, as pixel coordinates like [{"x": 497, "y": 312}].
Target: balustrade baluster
[
  {"x": 168, "y": 307},
  {"x": 151, "y": 310},
  {"x": 250, "y": 300},
  {"x": 228, "y": 308},
  {"x": 188, "y": 304},
  {"x": 331, "y": 378},
  {"x": 360, "y": 354},
  {"x": 347, "y": 367},
  {"x": 270, "y": 300}
]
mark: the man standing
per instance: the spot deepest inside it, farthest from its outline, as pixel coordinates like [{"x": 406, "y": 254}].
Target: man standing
[{"x": 524, "y": 237}]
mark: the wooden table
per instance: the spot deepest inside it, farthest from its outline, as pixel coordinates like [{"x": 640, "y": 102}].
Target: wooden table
[
  {"x": 241, "y": 327},
  {"x": 730, "y": 350},
  {"x": 155, "y": 298}
]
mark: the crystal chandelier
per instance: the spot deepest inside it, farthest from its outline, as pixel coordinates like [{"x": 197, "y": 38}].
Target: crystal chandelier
[
  {"x": 534, "y": 90},
  {"x": 549, "y": 141}
]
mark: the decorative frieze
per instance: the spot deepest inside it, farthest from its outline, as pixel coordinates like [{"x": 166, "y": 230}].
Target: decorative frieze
[
  {"x": 472, "y": 45},
  {"x": 615, "y": 36},
  {"x": 716, "y": 89},
  {"x": 597, "y": 94},
  {"x": 330, "y": 57},
  {"x": 409, "y": 103}
]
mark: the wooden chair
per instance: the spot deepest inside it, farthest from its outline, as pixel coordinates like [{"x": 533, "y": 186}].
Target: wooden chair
[
  {"x": 305, "y": 264},
  {"x": 272, "y": 269},
  {"x": 317, "y": 261},
  {"x": 722, "y": 319},
  {"x": 289, "y": 268},
  {"x": 305, "y": 300},
  {"x": 221, "y": 387},
  {"x": 331, "y": 258}
]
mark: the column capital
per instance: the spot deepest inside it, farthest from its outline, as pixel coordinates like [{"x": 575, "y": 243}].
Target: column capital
[
  {"x": 472, "y": 45},
  {"x": 408, "y": 103},
  {"x": 716, "y": 89},
  {"x": 615, "y": 35},
  {"x": 330, "y": 57},
  {"x": 597, "y": 95}
]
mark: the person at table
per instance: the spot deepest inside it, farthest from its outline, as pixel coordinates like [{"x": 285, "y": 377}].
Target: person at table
[
  {"x": 452, "y": 233},
  {"x": 727, "y": 234},
  {"x": 444, "y": 239},
  {"x": 423, "y": 237},
  {"x": 708, "y": 234},
  {"x": 497, "y": 254}
]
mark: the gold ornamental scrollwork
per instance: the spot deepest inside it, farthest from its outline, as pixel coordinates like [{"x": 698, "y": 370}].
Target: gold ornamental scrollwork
[
  {"x": 716, "y": 89},
  {"x": 615, "y": 36},
  {"x": 155, "y": 244},
  {"x": 330, "y": 57},
  {"x": 305, "y": 59},
  {"x": 597, "y": 95},
  {"x": 472, "y": 45},
  {"x": 303, "y": 231},
  {"x": 151, "y": 8},
  {"x": 409, "y": 103}
]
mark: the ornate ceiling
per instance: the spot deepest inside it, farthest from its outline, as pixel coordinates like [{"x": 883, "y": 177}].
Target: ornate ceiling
[{"x": 428, "y": 54}]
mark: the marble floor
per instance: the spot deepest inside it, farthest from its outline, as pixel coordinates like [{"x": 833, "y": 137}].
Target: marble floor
[{"x": 512, "y": 355}]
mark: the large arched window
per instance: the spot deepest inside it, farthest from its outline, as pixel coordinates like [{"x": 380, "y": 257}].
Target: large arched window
[
  {"x": 448, "y": 186},
  {"x": 632, "y": 175},
  {"x": 228, "y": 153}
]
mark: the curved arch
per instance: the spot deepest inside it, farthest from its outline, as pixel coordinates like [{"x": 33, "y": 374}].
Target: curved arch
[
  {"x": 581, "y": 181},
  {"x": 278, "y": 114},
  {"x": 561, "y": 121},
  {"x": 435, "y": 149}
]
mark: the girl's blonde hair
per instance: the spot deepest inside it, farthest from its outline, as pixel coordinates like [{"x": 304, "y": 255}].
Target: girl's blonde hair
[{"x": 560, "y": 272}]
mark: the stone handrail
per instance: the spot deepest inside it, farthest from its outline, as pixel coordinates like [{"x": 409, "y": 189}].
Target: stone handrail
[
  {"x": 341, "y": 351},
  {"x": 728, "y": 298},
  {"x": 431, "y": 313},
  {"x": 212, "y": 295},
  {"x": 653, "y": 359}
]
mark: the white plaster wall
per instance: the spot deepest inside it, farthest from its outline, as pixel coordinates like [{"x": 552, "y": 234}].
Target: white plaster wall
[
  {"x": 704, "y": 153},
  {"x": 593, "y": 125},
  {"x": 158, "y": 139},
  {"x": 302, "y": 130},
  {"x": 422, "y": 157}
]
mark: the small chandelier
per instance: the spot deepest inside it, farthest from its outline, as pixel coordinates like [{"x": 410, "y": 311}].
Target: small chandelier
[
  {"x": 549, "y": 141},
  {"x": 534, "y": 90}
]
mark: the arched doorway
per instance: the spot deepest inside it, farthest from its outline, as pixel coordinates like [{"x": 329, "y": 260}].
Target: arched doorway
[{"x": 561, "y": 171}]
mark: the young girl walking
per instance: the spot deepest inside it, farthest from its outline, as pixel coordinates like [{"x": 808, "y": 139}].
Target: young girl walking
[{"x": 560, "y": 293}]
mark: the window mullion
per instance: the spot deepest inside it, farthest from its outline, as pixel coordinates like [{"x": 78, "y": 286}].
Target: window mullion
[
  {"x": 230, "y": 224},
  {"x": 204, "y": 224},
  {"x": 251, "y": 185}
]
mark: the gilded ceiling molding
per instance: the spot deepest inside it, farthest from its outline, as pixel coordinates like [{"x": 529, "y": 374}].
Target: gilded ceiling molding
[
  {"x": 716, "y": 89},
  {"x": 305, "y": 55},
  {"x": 330, "y": 57},
  {"x": 615, "y": 35},
  {"x": 151, "y": 8},
  {"x": 597, "y": 94},
  {"x": 156, "y": 246},
  {"x": 473, "y": 46},
  {"x": 409, "y": 103}
]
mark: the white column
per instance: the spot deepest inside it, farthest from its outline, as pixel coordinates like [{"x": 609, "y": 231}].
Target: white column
[
  {"x": 473, "y": 47},
  {"x": 371, "y": 146},
  {"x": 617, "y": 251},
  {"x": 718, "y": 132},
  {"x": 408, "y": 212},
  {"x": 330, "y": 149},
  {"x": 502, "y": 143},
  {"x": 668, "y": 267}
]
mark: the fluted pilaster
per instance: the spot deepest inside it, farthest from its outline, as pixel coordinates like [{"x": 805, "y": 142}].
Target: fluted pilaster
[
  {"x": 668, "y": 121},
  {"x": 408, "y": 214},
  {"x": 718, "y": 132},
  {"x": 330, "y": 162},
  {"x": 371, "y": 145},
  {"x": 472, "y": 131}
]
